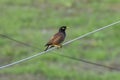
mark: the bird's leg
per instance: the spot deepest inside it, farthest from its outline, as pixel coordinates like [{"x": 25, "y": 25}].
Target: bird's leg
[
  {"x": 58, "y": 46},
  {"x": 51, "y": 46}
]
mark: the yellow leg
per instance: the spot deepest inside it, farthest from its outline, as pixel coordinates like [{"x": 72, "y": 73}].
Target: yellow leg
[{"x": 58, "y": 46}]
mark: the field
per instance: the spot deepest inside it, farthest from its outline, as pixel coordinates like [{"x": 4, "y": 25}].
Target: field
[{"x": 35, "y": 21}]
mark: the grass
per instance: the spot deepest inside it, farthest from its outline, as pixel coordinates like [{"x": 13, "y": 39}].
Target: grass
[{"x": 35, "y": 21}]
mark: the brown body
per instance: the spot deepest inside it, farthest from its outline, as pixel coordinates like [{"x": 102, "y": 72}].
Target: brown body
[{"x": 57, "y": 39}]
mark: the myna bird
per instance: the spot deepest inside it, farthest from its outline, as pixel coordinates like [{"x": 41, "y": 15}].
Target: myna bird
[{"x": 57, "y": 39}]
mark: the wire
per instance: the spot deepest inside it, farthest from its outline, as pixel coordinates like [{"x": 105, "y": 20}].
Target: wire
[
  {"x": 89, "y": 62},
  {"x": 5, "y": 36},
  {"x": 94, "y": 31},
  {"x": 30, "y": 57}
]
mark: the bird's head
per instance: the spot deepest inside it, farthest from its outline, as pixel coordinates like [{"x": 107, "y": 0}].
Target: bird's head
[{"x": 63, "y": 28}]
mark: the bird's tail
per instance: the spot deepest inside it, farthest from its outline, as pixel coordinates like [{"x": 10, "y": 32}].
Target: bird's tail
[{"x": 46, "y": 48}]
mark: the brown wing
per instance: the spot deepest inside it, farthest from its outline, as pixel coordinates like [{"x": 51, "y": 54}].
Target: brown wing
[{"x": 57, "y": 39}]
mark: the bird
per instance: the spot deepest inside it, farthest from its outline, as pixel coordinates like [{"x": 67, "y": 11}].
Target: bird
[{"x": 57, "y": 39}]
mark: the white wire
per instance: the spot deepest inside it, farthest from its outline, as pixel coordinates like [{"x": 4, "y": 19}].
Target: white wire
[
  {"x": 92, "y": 32},
  {"x": 30, "y": 57}
]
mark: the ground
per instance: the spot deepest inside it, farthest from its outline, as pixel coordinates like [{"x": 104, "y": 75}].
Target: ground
[{"x": 35, "y": 21}]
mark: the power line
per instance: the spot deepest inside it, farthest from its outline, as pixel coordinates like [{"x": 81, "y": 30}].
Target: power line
[
  {"x": 5, "y": 36},
  {"x": 89, "y": 62},
  {"x": 94, "y": 31},
  {"x": 30, "y": 57}
]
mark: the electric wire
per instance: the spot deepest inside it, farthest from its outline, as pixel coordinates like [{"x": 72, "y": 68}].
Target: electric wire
[{"x": 38, "y": 54}]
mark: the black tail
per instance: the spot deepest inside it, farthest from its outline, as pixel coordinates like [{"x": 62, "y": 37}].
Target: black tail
[{"x": 46, "y": 48}]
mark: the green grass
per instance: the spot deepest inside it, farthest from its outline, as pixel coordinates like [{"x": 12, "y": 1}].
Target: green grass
[{"x": 34, "y": 21}]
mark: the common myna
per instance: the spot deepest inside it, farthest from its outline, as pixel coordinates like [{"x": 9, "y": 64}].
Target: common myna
[{"x": 57, "y": 39}]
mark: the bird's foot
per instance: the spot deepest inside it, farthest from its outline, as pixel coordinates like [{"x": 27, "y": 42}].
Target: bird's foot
[{"x": 58, "y": 46}]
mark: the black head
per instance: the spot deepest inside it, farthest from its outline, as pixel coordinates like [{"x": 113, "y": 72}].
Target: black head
[{"x": 62, "y": 29}]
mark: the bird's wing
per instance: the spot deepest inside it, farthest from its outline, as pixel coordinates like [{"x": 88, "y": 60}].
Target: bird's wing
[{"x": 57, "y": 38}]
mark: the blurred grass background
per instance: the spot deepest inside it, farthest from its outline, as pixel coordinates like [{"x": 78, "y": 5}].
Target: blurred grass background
[{"x": 35, "y": 21}]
